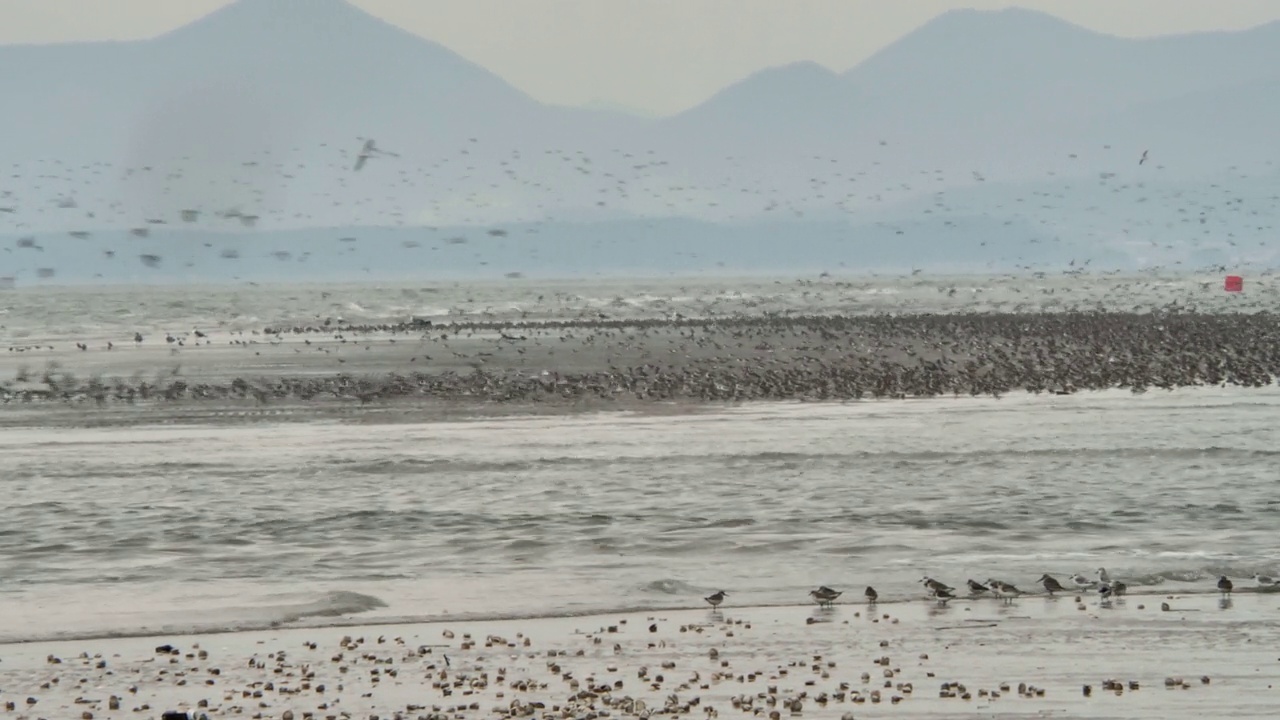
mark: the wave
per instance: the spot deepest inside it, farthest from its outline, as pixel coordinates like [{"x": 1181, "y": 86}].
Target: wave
[
  {"x": 782, "y": 459},
  {"x": 331, "y": 604},
  {"x": 408, "y": 465},
  {"x": 668, "y": 586},
  {"x": 329, "y": 609}
]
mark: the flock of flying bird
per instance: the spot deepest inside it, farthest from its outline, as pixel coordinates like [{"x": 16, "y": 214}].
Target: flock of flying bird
[
  {"x": 1105, "y": 586},
  {"x": 478, "y": 186}
]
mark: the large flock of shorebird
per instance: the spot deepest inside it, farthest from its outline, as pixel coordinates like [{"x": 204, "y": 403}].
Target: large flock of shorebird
[{"x": 711, "y": 360}]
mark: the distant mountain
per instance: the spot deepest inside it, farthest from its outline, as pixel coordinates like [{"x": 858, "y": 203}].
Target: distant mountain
[
  {"x": 1202, "y": 131},
  {"x": 265, "y": 73},
  {"x": 980, "y": 140},
  {"x": 274, "y": 73},
  {"x": 972, "y": 84},
  {"x": 795, "y": 104}
]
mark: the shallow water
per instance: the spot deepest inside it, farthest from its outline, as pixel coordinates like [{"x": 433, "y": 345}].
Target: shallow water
[
  {"x": 84, "y": 313},
  {"x": 117, "y": 530}
]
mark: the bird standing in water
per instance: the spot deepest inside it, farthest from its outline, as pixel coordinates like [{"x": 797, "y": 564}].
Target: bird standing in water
[
  {"x": 1051, "y": 584},
  {"x": 825, "y": 596}
]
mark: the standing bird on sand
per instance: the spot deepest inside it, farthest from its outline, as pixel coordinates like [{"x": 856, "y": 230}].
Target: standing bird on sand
[
  {"x": 1082, "y": 582},
  {"x": 1117, "y": 588},
  {"x": 716, "y": 599},
  {"x": 825, "y": 596},
  {"x": 935, "y": 586},
  {"x": 1224, "y": 585},
  {"x": 1051, "y": 584},
  {"x": 872, "y": 595},
  {"x": 1003, "y": 590}
]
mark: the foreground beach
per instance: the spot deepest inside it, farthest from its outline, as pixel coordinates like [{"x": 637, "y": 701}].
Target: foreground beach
[{"x": 1037, "y": 657}]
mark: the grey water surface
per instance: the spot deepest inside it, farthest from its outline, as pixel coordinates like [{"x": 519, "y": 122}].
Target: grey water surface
[{"x": 125, "y": 530}]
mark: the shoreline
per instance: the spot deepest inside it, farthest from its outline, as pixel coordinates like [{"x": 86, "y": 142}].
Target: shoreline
[
  {"x": 323, "y": 620},
  {"x": 817, "y": 275},
  {"x": 410, "y": 410}
]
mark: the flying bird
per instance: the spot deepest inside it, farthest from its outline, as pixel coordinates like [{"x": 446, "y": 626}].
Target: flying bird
[{"x": 369, "y": 150}]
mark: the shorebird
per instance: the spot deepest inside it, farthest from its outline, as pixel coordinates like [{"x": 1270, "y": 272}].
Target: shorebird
[
  {"x": 1051, "y": 584},
  {"x": 1224, "y": 585},
  {"x": 871, "y": 594},
  {"x": 825, "y": 596},
  {"x": 1003, "y": 589},
  {"x": 977, "y": 588},
  {"x": 994, "y": 586},
  {"x": 934, "y": 586},
  {"x": 717, "y": 598},
  {"x": 1082, "y": 582},
  {"x": 1263, "y": 580}
]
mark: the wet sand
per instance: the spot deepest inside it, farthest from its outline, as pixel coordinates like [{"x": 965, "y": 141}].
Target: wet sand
[
  {"x": 602, "y": 362},
  {"x": 1037, "y": 657}
]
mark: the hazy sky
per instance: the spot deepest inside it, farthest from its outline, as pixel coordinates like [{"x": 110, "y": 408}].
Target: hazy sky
[{"x": 657, "y": 56}]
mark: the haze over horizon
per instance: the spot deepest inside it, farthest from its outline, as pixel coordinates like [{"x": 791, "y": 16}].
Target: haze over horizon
[
  {"x": 991, "y": 140},
  {"x": 645, "y": 57}
]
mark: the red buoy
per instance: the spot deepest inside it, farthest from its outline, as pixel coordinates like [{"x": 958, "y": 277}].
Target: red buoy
[{"x": 1234, "y": 283}]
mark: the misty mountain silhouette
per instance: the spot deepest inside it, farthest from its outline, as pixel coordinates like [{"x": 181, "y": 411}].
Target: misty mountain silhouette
[
  {"x": 267, "y": 72},
  {"x": 272, "y": 71},
  {"x": 860, "y": 156},
  {"x": 984, "y": 77}
]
